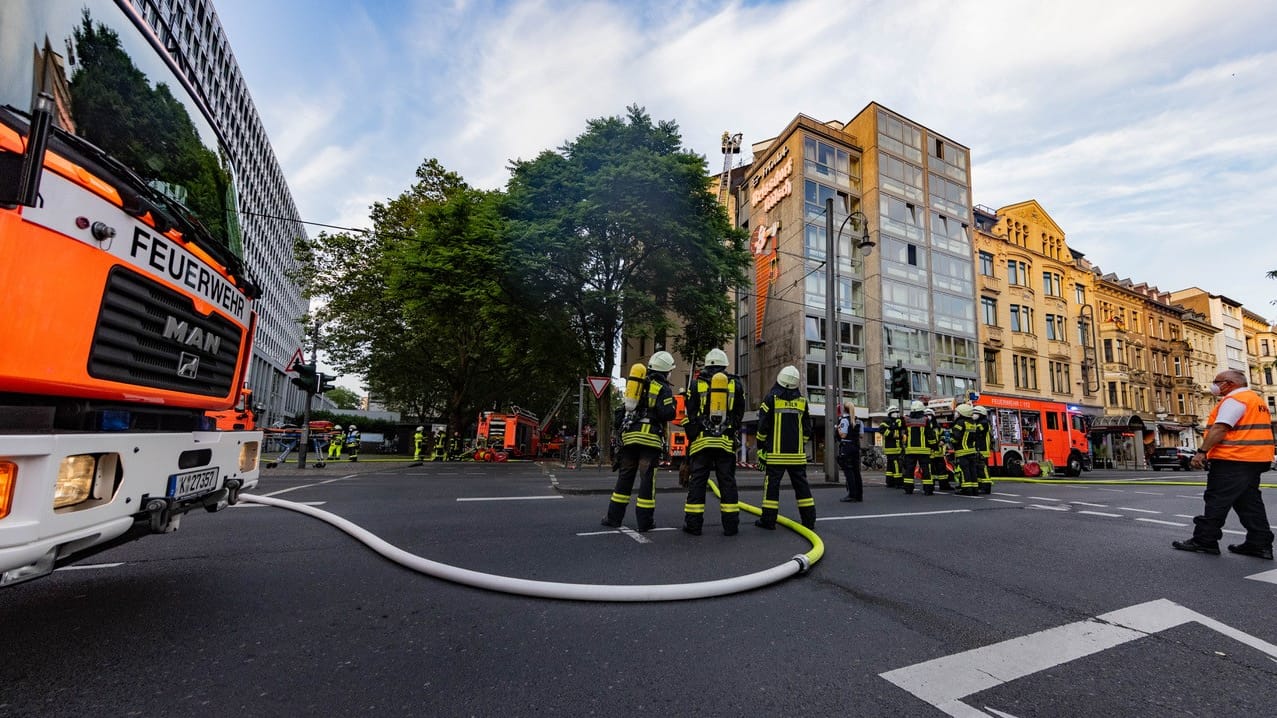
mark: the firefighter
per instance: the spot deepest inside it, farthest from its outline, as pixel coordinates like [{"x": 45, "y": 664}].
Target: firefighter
[
  {"x": 983, "y": 445},
  {"x": 715, "y": 406},
  {"x": 418, "y": 443},
  {"x": 939, "y": 467},
  {"x": 966, "y": 450},
  {"x": 649, "y": 406},
  {"x": 439, "y": 451},
  {"x": 454, "y": 446},
  {"x": 335, "y": 440},
  {"x": 849, "y": 453},
  {"x": 783, "y": 427},
  {"x": 352, "y": 441},
  {"x": 919, "y": 439},
  {"x": 892, "y": 447}
]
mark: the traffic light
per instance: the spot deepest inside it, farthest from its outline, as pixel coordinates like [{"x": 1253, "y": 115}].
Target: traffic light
[
  {"x": 900, "y": 383},
  {"x": 305, "y": 379},
  {"x": 325, "y": 382}
]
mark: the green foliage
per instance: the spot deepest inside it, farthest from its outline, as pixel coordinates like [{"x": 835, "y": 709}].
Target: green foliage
[{"x": 343, "y": 398}]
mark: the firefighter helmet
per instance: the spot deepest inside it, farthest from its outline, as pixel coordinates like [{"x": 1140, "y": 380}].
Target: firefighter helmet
[
  {"x": 661, "y": 361},
  {"x": 981, "y": 410},
  {"x": 716, "y": 357},
  {"x": 965, "y": 409},
  {"x": 789, "y": 377},
  {"x": 337, "y": 427},
  {"x": 352, "y": 427},
  {"x": 916, "y": 406},
  {"x": 893, "y": 412},
  {"x": 421, "y": 428}
]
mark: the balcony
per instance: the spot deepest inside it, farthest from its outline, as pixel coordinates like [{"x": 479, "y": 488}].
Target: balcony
[
  {"x": 1058, "y": 349},
  {"x": 1185, "y": 382},
  {"x": 990, "y": 284},
  {"x": 993, "y": 335},
  {"x": 1020, "y": 340}
]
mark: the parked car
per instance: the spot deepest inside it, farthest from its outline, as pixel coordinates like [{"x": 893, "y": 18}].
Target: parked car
[{"x": 1171, "y": 457}]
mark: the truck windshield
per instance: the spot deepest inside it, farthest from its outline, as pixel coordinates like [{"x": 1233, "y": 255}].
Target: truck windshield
[{"x": 112, "y": 88}]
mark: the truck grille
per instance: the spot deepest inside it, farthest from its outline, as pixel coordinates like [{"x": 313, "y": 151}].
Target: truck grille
[{"x": 149, "y": 335}]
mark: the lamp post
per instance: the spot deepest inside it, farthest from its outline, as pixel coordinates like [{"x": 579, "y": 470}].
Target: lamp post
[{"x": 832, "y": 398}]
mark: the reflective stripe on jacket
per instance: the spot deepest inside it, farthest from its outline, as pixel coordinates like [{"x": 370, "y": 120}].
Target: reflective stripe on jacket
[
  {"x": 649, "y": 426},
  {"x": 697, "y": 419},
  {"x": 783, "y": 425},
  {"x": 1252, "y": 438}
]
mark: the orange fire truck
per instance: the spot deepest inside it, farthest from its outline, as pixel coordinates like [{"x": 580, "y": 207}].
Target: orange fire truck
[
  {"x": 1032, "y": 430},
  {"x": 128, "y": 312}
]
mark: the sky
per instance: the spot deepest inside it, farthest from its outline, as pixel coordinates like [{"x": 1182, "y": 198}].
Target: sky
[{"x": 1145, "y": 128}]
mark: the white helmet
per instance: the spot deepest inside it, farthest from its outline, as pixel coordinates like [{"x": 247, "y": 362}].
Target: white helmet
[
  {"x": 716, "y": 357},
  {"x": 981, "y": 410},
  {"x": 337, "y": 427},
  {"x": 929, "y": 411},
  {"x": 916, "y": 405},
  {"x": 965, "y": 409},
  {"x": 661, "y": 361},
  {"x": 421, "y": 428},
  {"x": 893, "y": 411},
  {"x": 789, "y": 377},
  {"x": 352, "y": 427}
]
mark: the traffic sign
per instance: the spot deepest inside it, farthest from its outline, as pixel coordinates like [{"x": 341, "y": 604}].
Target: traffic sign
[
  {"x": 297, "y": 359},
  {"x": 598, "y": 385}
]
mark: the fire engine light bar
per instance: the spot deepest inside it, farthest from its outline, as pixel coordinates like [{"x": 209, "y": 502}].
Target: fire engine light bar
[
  {"x": 75, "y": 480},
  {"x": 115, "y": 420},
  {"x": 248, "y": 452},
  {"x": 8, "y": 479}
]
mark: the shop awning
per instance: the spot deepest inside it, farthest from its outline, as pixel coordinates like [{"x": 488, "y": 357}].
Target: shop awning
[
  {"x": 1118, "y": 421},
  {"x": 1171, "y": 426}
]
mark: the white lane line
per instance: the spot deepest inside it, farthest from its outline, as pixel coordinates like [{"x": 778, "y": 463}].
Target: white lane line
[
  {"x": 307, "y": 486},
  {"x": 1095, "y": 506},
  {"x": 944, "y": 682},
  {"x": 1048, "y": 508},
  {"x": 1101, "y": 513},
  {"x": 262, "y": 506},
  {"x": 1138, "y": 511},
  {"x": 610, "y": 532},
  {"x": 507, "y": 498},
  {"x": 1006, "y": 501},
  {"x": 1236, "y": 533},
  {"x": 640, "y": 538},
  {"x": 1266, "y": 576},
  {"x": 890, "y": 516},
  {"x": 1187, "y": 497},
  {"x": 87, "y": 566},
  {"x": 1042, "y": 498},
  {"x": 1184, "y": 516},
  {"x": 1116, "y": 491},
  {"x": 1147, "y": 493},
  {"x": 1159, "y": 521},
  {"x": 1003, "y": 493}
]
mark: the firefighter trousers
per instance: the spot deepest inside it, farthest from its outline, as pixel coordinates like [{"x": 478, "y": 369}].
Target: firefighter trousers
[
  {"x": 723, "y": 464},
  {"x": 334, "y": 449},
  {"x": 802, "y": 492},
  {"x": 969, "y": 473},
  {"x": 921, "y": 462},
  {"x": 639, "y": 462},
  {"x": 894, "y": 457}
]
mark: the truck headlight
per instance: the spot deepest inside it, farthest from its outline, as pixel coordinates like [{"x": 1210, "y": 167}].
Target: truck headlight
[
  {"x": 75, "y": 480},
  {"x": 248, "y": 456},
  {"x": 8, "y": 479}
]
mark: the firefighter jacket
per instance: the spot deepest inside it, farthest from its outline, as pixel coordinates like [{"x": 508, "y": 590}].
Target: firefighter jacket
[
  {"x": 702, "y": 432},
  {"x": 890, "y": 429},
  {"x": 647, "y": 425},
  {"x": 1252, "y": 438},
  {"x": 966, "y": 436},
  {"x": 352, "y": 439},
  {"x": 918, "y": 434},
  {"x": 982, "y": 439},
  {"x": 783, "y": 427}
]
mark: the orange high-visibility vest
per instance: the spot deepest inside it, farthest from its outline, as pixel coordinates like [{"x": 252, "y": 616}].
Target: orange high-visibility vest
[{"x": 1252, "y": 438}]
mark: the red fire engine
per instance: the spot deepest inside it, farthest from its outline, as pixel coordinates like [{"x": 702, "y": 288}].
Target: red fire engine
[{"x": 1027, "y": 430}]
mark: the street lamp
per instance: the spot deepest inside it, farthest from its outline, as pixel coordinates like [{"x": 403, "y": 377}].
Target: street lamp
[{"x": 832, "y": 398}]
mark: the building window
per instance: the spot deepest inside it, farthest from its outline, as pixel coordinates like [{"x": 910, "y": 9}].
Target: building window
[
  {"x": 1079, "y": 293},
  {"x": 1108, "y": 350},
  {"x": 1052, "y": 284},
  {"x": 1112, "y": 393},
  {"x": 1055, "y": 327},
  {"x": 1268, "y": 375},
  {"x": 989, "y": 305},
  {"x": 1026, "y": 371},
  {"x": 1179, "y": 402},
  {"x": 1022, "y": 318},
  {"x": 1017, "y": 273},
  {"x": 1263, "y": 349},
  {"x": 1179, "y": 368},
  {"x": 986, "y": 264},
  {"x": 1060, "y": 383},
  {"x": 991, "y": 366}
]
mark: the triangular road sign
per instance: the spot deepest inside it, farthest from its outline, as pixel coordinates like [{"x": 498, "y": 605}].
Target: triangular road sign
[
  {"x": 598, "y": 385},
  {"x": 297, "y": 359}
]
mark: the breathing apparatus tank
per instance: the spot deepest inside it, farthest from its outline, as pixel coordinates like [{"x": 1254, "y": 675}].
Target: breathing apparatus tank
[
  {"x": 635, "y": 389},
  {"x": 717, "y": 403}
]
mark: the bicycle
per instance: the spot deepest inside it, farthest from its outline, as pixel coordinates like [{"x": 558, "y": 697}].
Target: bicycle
[
  {"x": 586, "y": 455},
  {"x": 873, "y": 458}
]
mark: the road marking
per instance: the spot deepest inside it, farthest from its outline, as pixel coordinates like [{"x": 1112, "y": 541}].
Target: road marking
[
  {"x": 1235, "y": 533},
  {"x": 1042, "y": 498},
  {"x": 1159, "y": 521},
  {"x": 262, "y": 506},
  {"x": 1181, "y": 496},
  {"x": 944, "y": 682},
  {"x": 1266, "y": 576},
  {"x": 1003, "y": 493},
  {"x": 1083, "y": 503},
  {"x": 890, "y": 516},
  {"x": 1138, "y": 511},
  {"x": 1116, "y": 491},
  {"x": 1184, "y": 516},
  {"x": 1101, "y": 513},
  {"x": 1147, "y": 493},
  {"x": 307, "y": 486},
  {"x": 87, "y": 566},
  {"x": 507, "y": 498},
  {"x": 623, "y": 530},
  {"x": 1048, "y": 508},
  {"x": 640, "y": 538},
  {"x": 1006, "y": 501}
]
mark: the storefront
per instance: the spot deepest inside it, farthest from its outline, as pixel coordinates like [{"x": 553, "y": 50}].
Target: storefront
[{"x": 1118, "y": 442}]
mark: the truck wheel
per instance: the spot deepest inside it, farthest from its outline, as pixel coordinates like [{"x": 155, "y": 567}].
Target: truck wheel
[
  {"x": 1074, "y": 466},
  {"x": 1012, "y": 465}
]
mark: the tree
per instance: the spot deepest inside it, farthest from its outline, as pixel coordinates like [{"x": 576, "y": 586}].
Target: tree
[
  {"x": 619, "y": 228},
  {"x": 343, "y": 398}
]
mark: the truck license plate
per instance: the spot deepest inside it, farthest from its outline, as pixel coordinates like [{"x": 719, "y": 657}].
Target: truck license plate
[{"x": 193, "y": 483}]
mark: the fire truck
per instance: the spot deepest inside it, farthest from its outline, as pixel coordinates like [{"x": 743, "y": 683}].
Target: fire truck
[
  {"x": 676, "y": 435},
  {"x": 128, "y": 311},
  {"x": 1032, "y": 430}
]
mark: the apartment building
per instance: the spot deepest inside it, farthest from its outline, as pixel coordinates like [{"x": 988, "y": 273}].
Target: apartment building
[
  {"x": 1192, "y": 396},
  {"x": 1261, "y": 357},
  {"x": 194, "y": 37},
  {"x": 1225, "y": 313}
]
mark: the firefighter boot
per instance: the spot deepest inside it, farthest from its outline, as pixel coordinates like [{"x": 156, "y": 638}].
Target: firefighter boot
[
  {"x": 646, "y": 518},
  {"x": 616, "y": 511},
  {"x": 692, "y": 523},
  {"x": 767, "y": 520},
  {"x": 986, "y": 487},
  {"x": 808, "y": 516},
  {"x": 731, "y": 523}
]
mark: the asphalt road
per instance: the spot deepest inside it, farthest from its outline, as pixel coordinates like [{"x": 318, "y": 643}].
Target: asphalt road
[{"x": 1050, "y": 599}]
